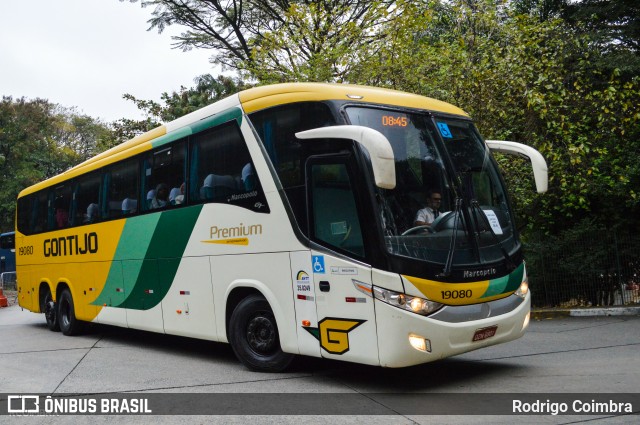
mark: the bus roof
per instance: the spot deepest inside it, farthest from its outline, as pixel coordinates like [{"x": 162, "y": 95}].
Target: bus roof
[
  {"x": 263, "y": 97},
  {"x": 252, "y": 100}
]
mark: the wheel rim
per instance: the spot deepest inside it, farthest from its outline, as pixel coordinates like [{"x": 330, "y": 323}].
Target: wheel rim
[
  {"x": 262, "y": 335},
  {"x": 64, "y": 313},
  {"x": 49, "y": 310}
]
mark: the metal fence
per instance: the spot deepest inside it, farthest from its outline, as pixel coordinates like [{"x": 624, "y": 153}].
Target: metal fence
[
  {"x": 8, "y": 281},
  {"x": 591, "y": 268}
]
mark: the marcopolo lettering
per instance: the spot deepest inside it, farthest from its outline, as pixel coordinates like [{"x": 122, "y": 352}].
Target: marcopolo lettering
[{"x": 71, "y": 245}]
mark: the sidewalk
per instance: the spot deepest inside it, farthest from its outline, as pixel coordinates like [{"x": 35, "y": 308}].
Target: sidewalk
[{"x": 549, "y": 313}]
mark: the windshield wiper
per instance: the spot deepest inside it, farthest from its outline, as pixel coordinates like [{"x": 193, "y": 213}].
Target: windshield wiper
[
  {"x": 479, "y": 211},
  {"x": 446, "y": 272}
]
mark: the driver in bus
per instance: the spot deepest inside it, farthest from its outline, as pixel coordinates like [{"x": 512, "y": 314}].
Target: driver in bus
[{"x": 427, "y": 215}]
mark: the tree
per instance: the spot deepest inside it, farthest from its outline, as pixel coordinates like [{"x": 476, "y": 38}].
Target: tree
[
  {"x": 38, "y": 140},
  {"x": 208, "y": 89},
  {"x": 275, "y": 39}
]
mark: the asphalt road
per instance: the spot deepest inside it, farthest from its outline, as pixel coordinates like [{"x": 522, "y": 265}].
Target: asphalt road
[{"x": 561, "y": 355}]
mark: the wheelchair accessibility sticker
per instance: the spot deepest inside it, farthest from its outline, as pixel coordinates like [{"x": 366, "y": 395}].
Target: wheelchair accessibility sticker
[
  {"x": 444, "y": 130},
  {"x": 317, "y": 262}
]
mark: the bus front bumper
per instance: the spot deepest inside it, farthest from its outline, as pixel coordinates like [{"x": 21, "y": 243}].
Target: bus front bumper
[{"x": 451, "y": 331}]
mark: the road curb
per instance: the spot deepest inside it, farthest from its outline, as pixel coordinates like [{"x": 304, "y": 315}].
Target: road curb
[{"x": 585, "y": 312}]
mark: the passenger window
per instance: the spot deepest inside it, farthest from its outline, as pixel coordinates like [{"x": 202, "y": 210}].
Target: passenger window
[
  {"x": 164, "y": 177},
  {"x": 122, "y": 183},
  {"x": 86, "y": 196},
  {"x": 61, "y": 206},
  {"x": 222, "y": 170},
  {"x": 277, "y": 128},
  {"x": 334, "y": 214}
]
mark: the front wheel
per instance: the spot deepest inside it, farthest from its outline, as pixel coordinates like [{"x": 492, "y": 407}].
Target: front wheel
[
  {"x": 253, "y": 334},
  {"x": 69, "y": 325}
]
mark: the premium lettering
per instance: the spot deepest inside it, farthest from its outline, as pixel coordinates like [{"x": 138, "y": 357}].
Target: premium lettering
[
  {"x": 71, "y": 245},
  {"x": 235, "y": 232}
]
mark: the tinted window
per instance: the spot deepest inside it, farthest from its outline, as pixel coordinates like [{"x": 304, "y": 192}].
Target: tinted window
[
  {"x": 121, "y": 182},
  {"x": 85, "y": 208},
  {"x": 222, "y": 170},
  {"x": 335, "y": 217},
  {"x": 164, "y": 176}
]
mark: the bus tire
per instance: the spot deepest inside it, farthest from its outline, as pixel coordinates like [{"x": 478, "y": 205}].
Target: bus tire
[
  {"x": 253, "y": 334},
  {"x": 69, "y": 325},
  {"x": 51, "y": 313}
]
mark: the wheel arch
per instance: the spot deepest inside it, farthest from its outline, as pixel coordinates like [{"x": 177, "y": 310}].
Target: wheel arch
[{"x": 239, "y": 290}]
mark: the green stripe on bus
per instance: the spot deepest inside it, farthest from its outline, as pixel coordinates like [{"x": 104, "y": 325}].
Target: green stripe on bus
[
  {"x": 162, "y": 259},
  {"x": 224, "y": 116},
  {"x": 505, "y": 284},
  {"x": 133, "y": 244}
]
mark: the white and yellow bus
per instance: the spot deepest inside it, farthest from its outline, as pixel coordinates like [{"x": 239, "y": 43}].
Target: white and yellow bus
[{"x": 282, "y": 220}]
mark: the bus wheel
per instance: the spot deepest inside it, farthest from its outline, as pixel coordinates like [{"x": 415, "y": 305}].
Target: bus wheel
[
  {"x": 253, "y": 334},
  {"x": 69, "y": 325},
  {"x": 51, "y": 313}
]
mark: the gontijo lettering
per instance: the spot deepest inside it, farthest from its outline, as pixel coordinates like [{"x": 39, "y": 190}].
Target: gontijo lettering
[{"x": 71, "y": 245}]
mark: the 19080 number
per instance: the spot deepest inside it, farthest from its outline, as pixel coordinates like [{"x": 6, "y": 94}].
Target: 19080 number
[
  {"x": 25, "y": 250},
  {"x": 453, "y": 295}
]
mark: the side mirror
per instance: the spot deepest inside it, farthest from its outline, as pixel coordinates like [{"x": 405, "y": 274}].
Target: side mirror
[
  {"x": 540, "y": 171},
  {"x": 376, "y": 144}
]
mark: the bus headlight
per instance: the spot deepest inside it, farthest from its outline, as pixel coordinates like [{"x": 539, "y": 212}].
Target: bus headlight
[
  {"x": 413, "y": 304},
  {"x": 523, "y": 290}
]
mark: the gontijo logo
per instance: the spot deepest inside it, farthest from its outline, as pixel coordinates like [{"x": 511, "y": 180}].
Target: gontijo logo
[{"x": 233, "y": 235}]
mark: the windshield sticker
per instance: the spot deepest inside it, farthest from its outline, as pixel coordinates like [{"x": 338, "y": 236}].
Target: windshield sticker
[
  {"x": 444, "y": 130},
  {"x": 493, "y": 221}
]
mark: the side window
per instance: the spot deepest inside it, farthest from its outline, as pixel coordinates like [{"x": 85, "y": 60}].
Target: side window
[
  {"x": 39, "y": 214},
  {"x": 7, "y": 242},
  {"x": 121, "y": 182},
  {"x": 86, "y": 196},
  {"x": 164, "y": 177},
  {"x": 24, "y": 214},
  {"x": 222, "y": 170},
  {"x": 277, "y": 127},
  {"x": 61, "y": 206},
  {"x": 334, "y": 214}
]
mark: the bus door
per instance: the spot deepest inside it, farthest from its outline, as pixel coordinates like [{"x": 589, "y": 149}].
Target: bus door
[{"x": 346, "y": 327}]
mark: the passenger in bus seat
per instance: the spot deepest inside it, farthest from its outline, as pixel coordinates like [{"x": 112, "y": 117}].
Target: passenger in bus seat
[
  {"x": 179, "y": 199},
  {"x": 92, "y": 213},
  {"x": 173, "y": 195},
  {"x": 248, "y": 178},
  {"x": 216, "y": 186},
  {"x": 129, "y": 206},
  {"x": 150, "y": 195},
  {"x": 161, "y": 198},
  {"x": 61, "y": 216}
]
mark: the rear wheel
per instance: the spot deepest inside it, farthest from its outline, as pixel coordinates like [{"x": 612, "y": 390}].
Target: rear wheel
[
  {"x": 51, "y": 313},
  {"x": 253, "y": 334},
  {"x": 69, "y": 325}
]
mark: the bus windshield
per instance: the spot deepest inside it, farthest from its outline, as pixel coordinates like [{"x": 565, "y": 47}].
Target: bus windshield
[{"x": 440, "y": 159}]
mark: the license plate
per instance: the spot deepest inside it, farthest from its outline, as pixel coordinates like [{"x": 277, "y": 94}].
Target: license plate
[{"x": 484, "y": 333}]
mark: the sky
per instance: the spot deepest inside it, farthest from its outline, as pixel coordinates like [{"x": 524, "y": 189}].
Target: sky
[{"x": 88, "y": 53}]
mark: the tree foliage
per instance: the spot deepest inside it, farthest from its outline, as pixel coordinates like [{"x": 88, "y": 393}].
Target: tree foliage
[
  {"x": 276, "y": 40},
  {"x": 207, "y": 90},
  {"x": 543, "y": 72},
  {"x": 38, "y": 140}
]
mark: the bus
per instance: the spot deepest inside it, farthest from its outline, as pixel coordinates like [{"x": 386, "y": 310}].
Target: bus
[
  {"x": 7, "y": 253},
  {"x": 281, "y": 220}
]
